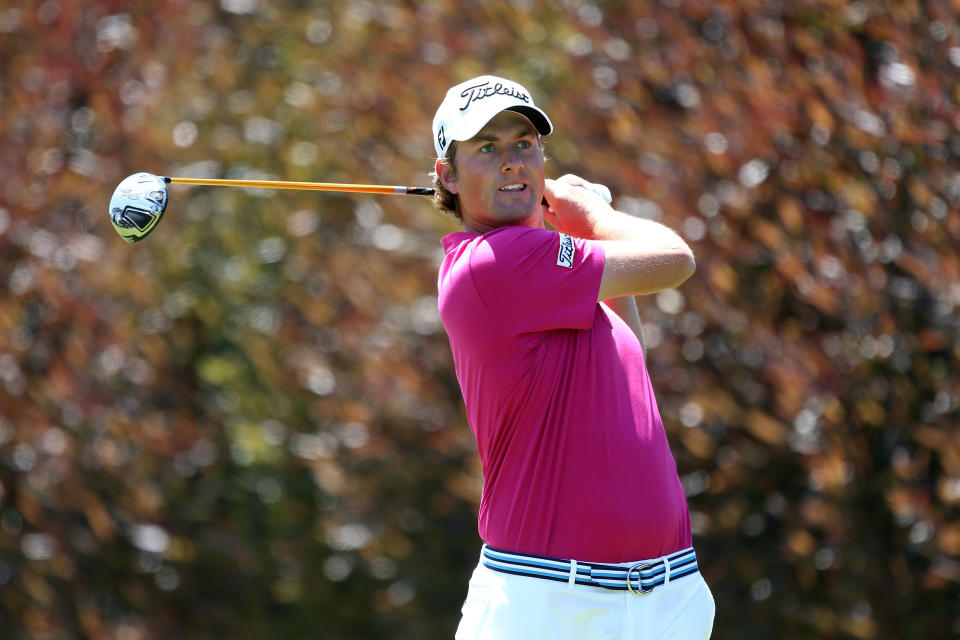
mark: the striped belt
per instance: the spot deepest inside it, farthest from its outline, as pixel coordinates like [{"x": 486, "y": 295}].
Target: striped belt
[{"x": 638, "y": 578}]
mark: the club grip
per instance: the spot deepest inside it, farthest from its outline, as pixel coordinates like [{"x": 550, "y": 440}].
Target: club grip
[{"x": 599, "y": 189}]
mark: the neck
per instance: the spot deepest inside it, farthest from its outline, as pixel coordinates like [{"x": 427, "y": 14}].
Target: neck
[{"x": 475, "y": 226}]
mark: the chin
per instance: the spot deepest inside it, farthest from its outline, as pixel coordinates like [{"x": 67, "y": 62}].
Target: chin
[{"x": 518, "y": 210}]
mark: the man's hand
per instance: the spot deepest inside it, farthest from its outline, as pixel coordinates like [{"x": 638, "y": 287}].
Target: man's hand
[{"x": 575, "y": 207}]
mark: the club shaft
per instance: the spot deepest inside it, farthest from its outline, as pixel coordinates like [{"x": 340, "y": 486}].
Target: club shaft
[{"x": 306, "y": 186}]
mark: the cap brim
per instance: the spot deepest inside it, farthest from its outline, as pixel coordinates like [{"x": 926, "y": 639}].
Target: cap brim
[
  {"x": 536, "y": 117},
  {"x": 470, "y": 128}
]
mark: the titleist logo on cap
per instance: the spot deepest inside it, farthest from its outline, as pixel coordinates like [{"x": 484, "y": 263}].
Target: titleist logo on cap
[{"x": 485, "y": 90}]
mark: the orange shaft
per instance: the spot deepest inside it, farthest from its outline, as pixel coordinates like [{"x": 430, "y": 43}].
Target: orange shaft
[{"x": 309, "y": 186}]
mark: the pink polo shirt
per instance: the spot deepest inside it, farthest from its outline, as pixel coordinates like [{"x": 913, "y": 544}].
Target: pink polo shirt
[{"x": 575, "y": 459}]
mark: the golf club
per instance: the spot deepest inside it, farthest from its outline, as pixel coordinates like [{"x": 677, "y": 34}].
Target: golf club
[{"x": 140, "y": 199}]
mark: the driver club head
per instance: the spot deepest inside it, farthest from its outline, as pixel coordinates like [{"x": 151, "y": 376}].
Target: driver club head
[{"x": 137, "y": 205}]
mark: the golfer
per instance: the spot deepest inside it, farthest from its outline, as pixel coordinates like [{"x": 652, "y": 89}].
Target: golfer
[{"x": 585, "y": 525}]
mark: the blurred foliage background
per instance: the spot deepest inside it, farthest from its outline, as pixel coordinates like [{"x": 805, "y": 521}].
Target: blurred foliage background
[{"x": 248, "y": 425}]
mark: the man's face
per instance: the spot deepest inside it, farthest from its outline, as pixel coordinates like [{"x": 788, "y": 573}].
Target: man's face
[{"x": 499, "y": 175}]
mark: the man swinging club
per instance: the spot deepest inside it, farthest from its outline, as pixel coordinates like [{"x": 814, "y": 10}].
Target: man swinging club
[{"x": 585, "y": 525}]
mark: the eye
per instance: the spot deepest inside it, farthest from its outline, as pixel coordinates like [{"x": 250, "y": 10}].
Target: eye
[
  {"x": 524, "y": 144},
  {"x": 487, "y": 148}
]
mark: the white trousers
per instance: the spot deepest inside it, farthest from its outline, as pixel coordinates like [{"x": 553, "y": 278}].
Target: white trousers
[{"x": 501, "y": 606}]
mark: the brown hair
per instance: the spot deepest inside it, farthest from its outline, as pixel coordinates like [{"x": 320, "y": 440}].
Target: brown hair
[{"x": 443, "y": 199}]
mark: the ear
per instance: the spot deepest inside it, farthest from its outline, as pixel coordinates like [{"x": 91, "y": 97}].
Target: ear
[{"x": 447, "y": 175}]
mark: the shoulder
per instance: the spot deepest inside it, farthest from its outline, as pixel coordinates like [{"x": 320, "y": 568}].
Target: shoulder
[
  {"x": 517, "y": 234},
  {"x": 516, "y": 241},
  {"x": 517, "y": 247},
  {"x": 503, "y": 245}
]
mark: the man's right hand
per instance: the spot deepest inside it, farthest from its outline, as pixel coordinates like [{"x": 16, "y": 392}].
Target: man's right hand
[{"x": 576, "y": 207}]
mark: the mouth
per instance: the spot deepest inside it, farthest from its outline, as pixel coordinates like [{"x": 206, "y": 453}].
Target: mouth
[{"x": 515, "y": 187}]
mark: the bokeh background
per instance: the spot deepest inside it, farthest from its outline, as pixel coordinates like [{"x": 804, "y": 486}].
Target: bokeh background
[{"x": 248, "y": 425}]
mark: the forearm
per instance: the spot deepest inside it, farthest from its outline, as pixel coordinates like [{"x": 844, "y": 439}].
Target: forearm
[{"x": 618, "y": 226}]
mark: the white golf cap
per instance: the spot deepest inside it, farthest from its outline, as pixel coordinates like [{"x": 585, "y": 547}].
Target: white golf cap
[{"x": 470, "y": 105}]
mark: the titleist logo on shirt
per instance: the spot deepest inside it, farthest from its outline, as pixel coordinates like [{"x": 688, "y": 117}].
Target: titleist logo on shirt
[
  {"x": 565, "y": 256},
  {"x": 481, "y": 91}
]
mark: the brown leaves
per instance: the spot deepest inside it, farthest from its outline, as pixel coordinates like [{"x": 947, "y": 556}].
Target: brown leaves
[{"x": 267, "y": 366}]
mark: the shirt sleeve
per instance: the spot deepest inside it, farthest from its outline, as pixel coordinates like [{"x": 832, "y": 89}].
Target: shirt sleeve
[{"x": 537, "y": 280}]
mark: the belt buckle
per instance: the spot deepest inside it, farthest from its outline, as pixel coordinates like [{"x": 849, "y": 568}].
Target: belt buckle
[{"x": 638, "y": 567}]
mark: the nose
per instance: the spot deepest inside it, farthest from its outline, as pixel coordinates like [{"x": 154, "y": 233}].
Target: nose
[{"x": 512, "y": 161}]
